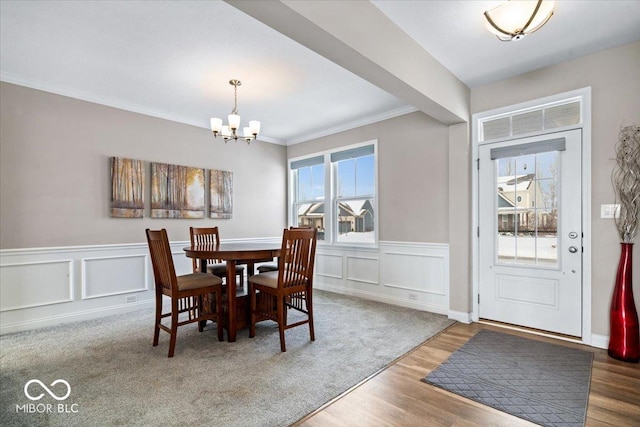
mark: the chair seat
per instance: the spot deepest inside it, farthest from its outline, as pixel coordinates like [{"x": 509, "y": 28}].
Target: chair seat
[
  {"x": 269, "y": 279},
  {"x": 221, "y": 269},
  {"x": 267, "y": 267},
  {"x": 197, "y": 280}
]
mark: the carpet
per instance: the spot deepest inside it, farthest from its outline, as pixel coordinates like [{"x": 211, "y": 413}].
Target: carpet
[
  {"x": 544, "y": 383},
  {"x": 116, "y": 377}
]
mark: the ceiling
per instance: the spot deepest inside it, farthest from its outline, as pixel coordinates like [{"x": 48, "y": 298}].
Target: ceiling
[{"x": 173, "y": 59}]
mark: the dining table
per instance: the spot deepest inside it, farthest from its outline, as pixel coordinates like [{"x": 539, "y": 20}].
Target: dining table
[{"x": 235, "y": 253}]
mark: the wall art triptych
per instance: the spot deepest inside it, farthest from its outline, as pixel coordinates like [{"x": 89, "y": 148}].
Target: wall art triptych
[
  {"x": 127, "y": 188},
  {"x": 176, "y": 191}
]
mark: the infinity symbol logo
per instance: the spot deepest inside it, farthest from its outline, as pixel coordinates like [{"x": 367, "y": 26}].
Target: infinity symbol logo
[{"x": 52, "y": 394}]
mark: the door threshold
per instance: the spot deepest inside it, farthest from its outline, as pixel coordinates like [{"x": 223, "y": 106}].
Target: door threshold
[{"x": 532, "y": 331}]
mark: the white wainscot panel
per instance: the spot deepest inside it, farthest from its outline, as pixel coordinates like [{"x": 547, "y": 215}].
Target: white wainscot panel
[
  {"x": 35, "y": 284},
  {"x": 416, "y": 272},
  {"x": 413, "y": 275},
  {"x": 328, "y": 265},
  {"x": 113, "y": 275},
  {"x": 362, "y": 269}
]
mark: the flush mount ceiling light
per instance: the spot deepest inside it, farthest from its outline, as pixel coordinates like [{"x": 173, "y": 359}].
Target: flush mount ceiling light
[
  {"x": 515, "y": 19},
  {"x": 230, "y": 131}
]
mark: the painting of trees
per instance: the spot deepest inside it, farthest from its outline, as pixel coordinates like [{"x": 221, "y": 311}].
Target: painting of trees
[
  {"x": 127, "y": 188},
  {"x": 176, "y": 191},
  {"x": 221, "y": 194}
]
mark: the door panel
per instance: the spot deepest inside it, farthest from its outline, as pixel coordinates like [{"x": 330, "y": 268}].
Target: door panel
[{"x": 530, "y": 232}]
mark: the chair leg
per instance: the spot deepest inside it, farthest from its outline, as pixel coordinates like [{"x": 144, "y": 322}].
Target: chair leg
[
  {"x": 281, "y": 323},
  {"x": 252, "y": 310},
  {"x": 219, "y": 316},
  {"x": 174, "y": 327},
  {"x": 200, "y": 307},
  {"x": 309, "y": 303},
  {"x": 156, "y": 328}
]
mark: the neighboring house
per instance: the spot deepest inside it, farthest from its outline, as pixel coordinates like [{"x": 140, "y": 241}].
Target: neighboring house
[
  {"x": 353, "y": 215},
  {"x": 523, "y": 207},
  {"x": 311, "y": 214}
]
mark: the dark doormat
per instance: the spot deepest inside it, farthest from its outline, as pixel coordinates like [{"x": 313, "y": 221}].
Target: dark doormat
[{"x": 544, "y": 383}]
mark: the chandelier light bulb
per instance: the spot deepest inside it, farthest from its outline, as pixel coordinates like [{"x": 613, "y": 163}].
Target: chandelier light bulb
[
  {"x": 234, "y": 121},
  {"x": 254, "y": 125},
  {"x": 216, "y": 125}
]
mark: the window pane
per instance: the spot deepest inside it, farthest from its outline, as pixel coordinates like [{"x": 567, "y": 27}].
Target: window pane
[
  {"x": 355, "y": 221},
  {"x": 506, "y": 241},
  {"x": 346, "y": 176},
  {"x": 547, "y": 238},
  {"x": 311, "y": 183},
  {"x": 365, "y": 176},
  {"x": 312, "y": 214}
]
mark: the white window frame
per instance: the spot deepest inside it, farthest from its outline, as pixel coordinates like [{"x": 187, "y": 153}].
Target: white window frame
[{"x": 330, "y": 198}]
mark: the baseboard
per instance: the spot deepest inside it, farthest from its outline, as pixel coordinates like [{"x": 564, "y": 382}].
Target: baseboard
[
  {"x": 460, "y": 316},
  {"x": 75, "y": 317},
  {"x": 600, "y": 341}
]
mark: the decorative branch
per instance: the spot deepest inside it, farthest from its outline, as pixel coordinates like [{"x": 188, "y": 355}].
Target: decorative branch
[{"x": 626, "y": 182}]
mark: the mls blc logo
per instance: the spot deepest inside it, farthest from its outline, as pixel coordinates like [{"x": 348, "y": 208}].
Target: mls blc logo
[
  {"x": 58, "y": 392},
  {"x": 48, "y": 390}
]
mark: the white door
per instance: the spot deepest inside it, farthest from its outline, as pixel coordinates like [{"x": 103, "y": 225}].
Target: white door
[{"x": 530, "y": 232}]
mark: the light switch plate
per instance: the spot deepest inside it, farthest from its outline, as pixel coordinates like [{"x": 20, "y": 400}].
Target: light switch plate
[{"x": 610, "y": 211}]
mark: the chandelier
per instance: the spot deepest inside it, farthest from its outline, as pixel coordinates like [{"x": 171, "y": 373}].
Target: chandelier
[
  {"x": 230, "y": 131},
  {"x": 515, "y": 19}
]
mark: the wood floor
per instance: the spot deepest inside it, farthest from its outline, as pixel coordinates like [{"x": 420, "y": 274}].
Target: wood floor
[{"x": 396, "y": 396}]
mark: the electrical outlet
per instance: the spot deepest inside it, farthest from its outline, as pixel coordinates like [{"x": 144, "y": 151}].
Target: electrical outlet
[
  {"x": 413, "y": 297},
  {"x": 610, "y": 211},
  {"x": 130, "y": 299}
]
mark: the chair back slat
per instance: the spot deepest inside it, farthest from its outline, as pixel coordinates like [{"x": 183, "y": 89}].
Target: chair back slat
[
  {"x": 295, "y": 266},
  {"x": 163, "y": 269},
  {"x": 204, "y": 236}
]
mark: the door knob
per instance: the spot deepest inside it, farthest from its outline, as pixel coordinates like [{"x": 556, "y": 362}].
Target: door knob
[{"x": 573, "y": 249}]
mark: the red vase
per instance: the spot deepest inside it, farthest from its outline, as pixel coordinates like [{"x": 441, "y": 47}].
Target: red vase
[{"x": 624, "y": 339}]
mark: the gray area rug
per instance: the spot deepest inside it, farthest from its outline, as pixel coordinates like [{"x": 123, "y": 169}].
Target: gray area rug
[
  {"x": 540, "y": 382},
  {"x": 116, "y": 377}
]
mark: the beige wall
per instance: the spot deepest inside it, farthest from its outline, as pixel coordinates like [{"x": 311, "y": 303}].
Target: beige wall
[
  {"x": 54, "y": 172},
  {"x": 412, "y": 174},
  {"x": 460, "y": 163},
  {"x": 614, "y": 76}
]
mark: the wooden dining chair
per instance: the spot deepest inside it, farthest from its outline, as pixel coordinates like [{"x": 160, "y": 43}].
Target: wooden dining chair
[
  {"x": 217, "y": 267},
  {"x": 274, "y": 267},
  {"x": 187, "y": 292},
  {"x": 272, "y": 293}
]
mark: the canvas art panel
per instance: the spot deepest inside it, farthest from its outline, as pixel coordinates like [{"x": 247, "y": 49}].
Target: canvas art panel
[
  {"x": 127, "y": 188},
  {"x": 177, "y": 191},
  {"x": 221, "y": 194}
]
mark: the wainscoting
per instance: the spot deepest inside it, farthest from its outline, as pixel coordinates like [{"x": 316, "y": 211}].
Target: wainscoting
[
  {"x": 49, "y": 286},
  {"x": 412, "y": 275}
]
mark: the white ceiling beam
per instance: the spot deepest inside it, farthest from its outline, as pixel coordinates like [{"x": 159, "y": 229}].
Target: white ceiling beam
[{"x": 357, "y": 36}]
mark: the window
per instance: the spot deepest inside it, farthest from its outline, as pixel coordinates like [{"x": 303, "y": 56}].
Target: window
[
  {"x": 335, "y": 192},
  {"x": 556, "y": 115},
  {"x": 308, "y": 193}
]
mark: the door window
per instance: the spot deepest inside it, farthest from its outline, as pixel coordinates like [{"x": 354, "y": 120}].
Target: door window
[{"x": 527, "y": 209}]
